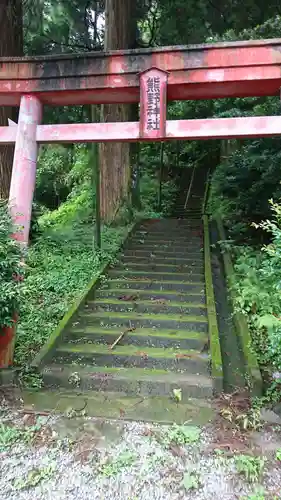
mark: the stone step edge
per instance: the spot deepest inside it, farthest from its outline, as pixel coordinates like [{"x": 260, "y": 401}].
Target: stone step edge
[
  {"x": 141, "y": 332},
  {"x": 168, "y": 303},
  {"x": 164, "y": 260},
  {"x": 132, "y": 351},
  {"x": 144, "y": 374},
  {"x": 136, "y": 291},
  {"x": 112, "y": 406},
  {"x": 132, "y": 317},
  {"x": 152, "y": 263}
]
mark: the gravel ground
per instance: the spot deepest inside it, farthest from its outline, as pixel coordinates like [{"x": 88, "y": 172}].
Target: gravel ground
[{"x": 82, "y": 458}]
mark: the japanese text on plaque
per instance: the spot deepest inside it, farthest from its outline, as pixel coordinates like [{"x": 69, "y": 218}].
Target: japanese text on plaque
[{"x": 153, "y": 103}]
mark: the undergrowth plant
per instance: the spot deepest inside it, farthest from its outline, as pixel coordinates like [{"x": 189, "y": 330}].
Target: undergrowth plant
[
  {"x": 59, "y": 266},
  {"x": 11, "y": 269},
  {"x": 180, "y": 435},
  {"x": 258, "y": 296},
  {"x": 251, "y": 468}
]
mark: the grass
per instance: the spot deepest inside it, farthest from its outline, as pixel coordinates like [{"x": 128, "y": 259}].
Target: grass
[
  {"x": 10, "y": 435},
  {"x": 250, "y": 468},
  {"x": 116, "y": 465},
  {"x": 34, "y": 477},
  {"x": 59, "y": 266},
  {"x": 180, "y": 435}
]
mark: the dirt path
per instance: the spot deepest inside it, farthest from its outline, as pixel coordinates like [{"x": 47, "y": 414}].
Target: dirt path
[{"x": 76, "y": 457}]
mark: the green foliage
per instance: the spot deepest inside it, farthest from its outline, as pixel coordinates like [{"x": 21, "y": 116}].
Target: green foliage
[
  {"x": 59, "y": 266},
  {"x": 52, "y": 175},
  {"x": 180, "y": 435},
  {"x": 258, "y": 494},
  {"x": 34, "y": 477},
  {"x": 11, "y": 270},
  {"x": 251, "y": 468},
  {"x": 257, "y": 287},
  {"x": 191, "y": 481},
  {"x": 9, "y": 436},
  {"x": 116, "y": 465},
  {"x": 149, "y": 188}
]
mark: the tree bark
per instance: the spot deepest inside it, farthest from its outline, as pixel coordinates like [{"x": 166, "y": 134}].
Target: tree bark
[
  {"x": 11, "y": 44},
  {"x": 120, "y": 31}
]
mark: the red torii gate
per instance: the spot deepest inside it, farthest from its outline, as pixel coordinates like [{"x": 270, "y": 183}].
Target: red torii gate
[{"x": 237, "y": 69}]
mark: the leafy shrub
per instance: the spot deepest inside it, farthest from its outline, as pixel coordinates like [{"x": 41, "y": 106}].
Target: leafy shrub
[
  {"x": 249, "y": 467},
  {"x": 11, "y": 270},
  {"x": 258, "y": 286},
  {"x": 149, "y": 187},
  {"x": 59, "y": 266}
]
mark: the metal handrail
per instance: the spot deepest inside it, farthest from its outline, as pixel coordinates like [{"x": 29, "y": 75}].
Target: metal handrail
[{"x": 190, "y": 186}]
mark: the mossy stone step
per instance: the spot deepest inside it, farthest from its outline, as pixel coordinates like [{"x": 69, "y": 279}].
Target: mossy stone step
[
  {"x": 151, "y": 246},
  {"x": 160, "y": 260},
  {"x": 173, "y": 223},
  {"x": 130, "y": 356},
  {"x": 135, "y": 320},
  {"x": 131, "y": 381},
  {"x": 146, "y": 337},
  {"x": 114, "y": 405},
  {"x": 156, "y": 252},
  {"x": 184, "y": 277},
  {"x": 180, "y": 235},
  {"x": 151, "y": 294},
  {"x": 170, "y": 240},
  {"x": 152, "y": 265},
  {"x": 150, "y": 284},
  {"x": 147, "y": 306}
]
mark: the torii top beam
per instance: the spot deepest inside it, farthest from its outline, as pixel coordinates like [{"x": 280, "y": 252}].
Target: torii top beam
[{"x": 239, "y": 69}]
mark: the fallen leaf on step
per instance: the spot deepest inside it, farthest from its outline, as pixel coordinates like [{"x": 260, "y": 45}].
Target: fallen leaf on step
[
  {"x": 177, "y": 451},
  {"x": 142, "y": 354},
  {"x": 122, "y": 412},
  {"x": 159, "y": 301},
  {"x": 180, "y": 355},
  {"x": 128, "y": 297}
]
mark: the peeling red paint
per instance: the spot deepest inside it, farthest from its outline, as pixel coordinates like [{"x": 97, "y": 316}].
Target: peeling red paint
[
  {"x": 153, "y": 103},
  {"x": 24, "y": 166},
  {"x": 211, "y": 128},
  {"x": 113, "y": 77}
]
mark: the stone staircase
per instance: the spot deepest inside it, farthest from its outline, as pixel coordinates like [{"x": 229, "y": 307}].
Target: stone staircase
[{"x": 155, "y": 296}]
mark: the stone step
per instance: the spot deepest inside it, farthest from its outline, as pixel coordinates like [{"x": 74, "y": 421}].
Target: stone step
[
  {"x": 151, "y": 294},
  {"x": 172, "y": 224},
  {"x": 169, "y": 235},
  {"x": 181, "y": 250},
  {"x": 138, "y": 306},
  {"x": 133, "y": 320},
  {"x": 152, "y": 265},
  {"x": 148, "y": 284},
  {"x": 171, "y": 244},
  {"x": 160, "y": 260},
  {"x": 157, "y": 252},
  {"x": 145, "y": 337},
  {"x": 131, "y": 381},
  {"x": 130, "y": 356},
  {"x": 116, "y": 405},
  {"x": 184, "y": 277}
]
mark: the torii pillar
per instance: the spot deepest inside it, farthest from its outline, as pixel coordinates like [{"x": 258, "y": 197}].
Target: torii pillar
[
  {"x": 24, "y": 166},
  {"x": 21, "y": 195}
]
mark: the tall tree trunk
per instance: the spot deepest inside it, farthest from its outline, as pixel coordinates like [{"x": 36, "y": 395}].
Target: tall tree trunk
[
  {"x": 11, "y": 44},
  {"x": 120, "y": 31}
]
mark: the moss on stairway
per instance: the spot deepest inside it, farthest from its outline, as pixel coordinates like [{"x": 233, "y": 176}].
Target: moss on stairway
[{"x": 154, "y": 297}]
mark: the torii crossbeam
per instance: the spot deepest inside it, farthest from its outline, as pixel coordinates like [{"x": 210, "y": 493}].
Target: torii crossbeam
[{"x": 150, "y": 77}]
